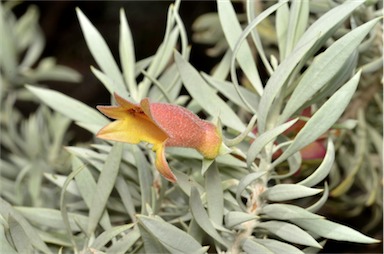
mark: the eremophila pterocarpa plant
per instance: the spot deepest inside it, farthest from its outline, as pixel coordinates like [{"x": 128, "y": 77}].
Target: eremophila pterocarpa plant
[{"x": 249, "y": 177}]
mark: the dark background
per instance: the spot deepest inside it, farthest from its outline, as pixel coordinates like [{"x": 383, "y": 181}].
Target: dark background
[{"x": 147, "y": 20}]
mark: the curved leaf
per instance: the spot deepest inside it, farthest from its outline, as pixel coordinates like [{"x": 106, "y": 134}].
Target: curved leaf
[
  {"x": 284, "y": 192},
  {"x": 172, "y": 238},
  {"x": 290, "y": 233},
  {"x": 323, "y": 119}
]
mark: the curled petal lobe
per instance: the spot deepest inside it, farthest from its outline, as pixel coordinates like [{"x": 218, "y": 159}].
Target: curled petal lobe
[{"x": 162, "y": 164}]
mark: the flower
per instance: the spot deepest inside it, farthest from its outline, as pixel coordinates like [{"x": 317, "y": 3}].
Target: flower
[{"x": 162, "y": 125}]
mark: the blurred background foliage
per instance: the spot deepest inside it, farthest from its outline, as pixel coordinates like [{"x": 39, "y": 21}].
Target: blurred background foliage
[{"x": 47, "y": 48}]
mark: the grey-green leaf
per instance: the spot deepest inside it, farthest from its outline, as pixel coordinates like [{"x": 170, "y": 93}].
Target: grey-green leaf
[
  {"x": 234, "y": 218},
  {"x": 252, "y": 247},
  {"x": 205, "y": 96},
  {"x": 69, "y": 107},
  {"x": 290, "y": 233},
  {"x": 323, "y": 119},
  {"x": 332, "y": 230},
  {"x": 278, "y": 247},
  {"x": 104, "y": 186},
  {"x": 232, "y": 31},
  {"x": 308, "y": 44},
  {"x": 172, "y": 238},
  {"x": 101, "y": 53},
  {"x": 323, "y": 170},
  {"x": 214, "y": 192},
  {"x": 325, "y": 67},
  {"x": 201, "y": 216},
  {"x": 261, "y": 141},
  {"x": 285, "y": 192},
  {"x": 288, "y": 212}
]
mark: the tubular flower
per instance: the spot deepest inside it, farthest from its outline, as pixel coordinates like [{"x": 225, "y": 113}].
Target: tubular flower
[{"x": 162, "y": 125}]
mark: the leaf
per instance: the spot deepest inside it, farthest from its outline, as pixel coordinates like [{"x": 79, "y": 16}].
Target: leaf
[
  {"x": 332, "y": 230},
  {"x": 298, "y": 20},
  {"x": 86, "y": 185},
  {"x": 323, "y": 170},
  {"x": 204, "y": 95},
  {"x": 308, "y": 44},
  {"x": 125, "y": 243},
  {"x": 282, "y": 20},
  {"x": 290, "y": 233},
  {"x": 232, "y": 31},
  {"x": 250, "y": 246},
  {"x": 108, "y": 235},
  {"x": 145, "y": 178},
  {"x": 244, "y": 183},
  {"x": 104, "y": 186},
  {"x": 234, "y": 218},
  {"x": 325, "y": 67},
  {"x": 284, "y": 192},
  {"x": 214, "y": 192},
  {"x": 6, "y": 246},
  {"x": 127, "y": 55},
  {"x": 19, "y": 237},
  {"x": 6, "y": 210},
  {"x": 59, "y": 181},
  {"x": 101, "y": 53},
  {"x": 278, "y": 247},
  {"x": 319, "y": 204},
  {"x": 229, "y": 91},
  {"x": 201, "y": 216},
  {"x": 288, "y": 212},
  {"x": 69, "y": 107},
  {"x": 323, "y": 118},
  {"x": 172, "y": 238},
  {"x": 52, "y": 218},
  {"x": 264, "y": 139}
]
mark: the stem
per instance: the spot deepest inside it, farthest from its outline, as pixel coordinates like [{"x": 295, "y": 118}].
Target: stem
[{"x": 253, "y": 204}]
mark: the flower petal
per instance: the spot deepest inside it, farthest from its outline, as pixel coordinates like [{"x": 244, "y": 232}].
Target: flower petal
[
  {"x": 114, "y": 112},
  {"x": 162, "y": 164},
  {"x": 133, "y": 129}
]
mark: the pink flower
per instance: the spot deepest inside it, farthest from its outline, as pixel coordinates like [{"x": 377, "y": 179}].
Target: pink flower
[{"x": 162, "y": 125}]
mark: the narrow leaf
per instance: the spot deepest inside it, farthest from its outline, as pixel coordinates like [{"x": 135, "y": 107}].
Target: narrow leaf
[
  {"x": 127, "y": 55},
  {"x": 69, "y": 107},
  {"x": 104, "y": 186},
  {"x": 285, "y": 192},
  {"x": 171, "y": 237},
  {"x": 251, "y": 247},
  {"x": 288, "y": 212},
  {"x": 309, "y": 43},
  {"x": 265, "y": 138},
  {"x": 323, "y": 119},
  {"x": 332, "y": 230},
  {"x": 108, "y": 235},
  {"x": 325, "y": 67},
  {"x": 100, "y": 51},
  {"x": 232, "y": 31},
  {"x": 234, "y": 218},
  {"x": 323, "y": 170},
  {"x": 278, "y": 247},
  {"x": 214, "y": 192},
  {"x": 204, "y": 95},
  {"x": 290, "y": 233},
  {"x": 201, "y": 216}
]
